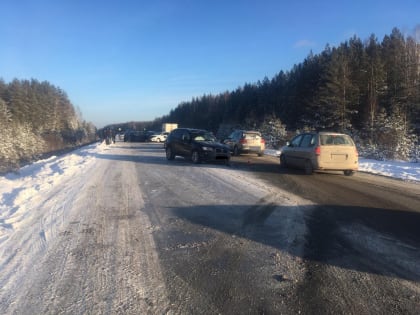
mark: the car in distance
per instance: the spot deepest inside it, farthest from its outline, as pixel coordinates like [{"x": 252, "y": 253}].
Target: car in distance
[
  {"x": 329, "y": 151},
  {"x": 197, "y": 145},
  {"x": 135, "y": 136},
  {"x": 159, "y": 137},
  {"x": 246, "y": 141}
]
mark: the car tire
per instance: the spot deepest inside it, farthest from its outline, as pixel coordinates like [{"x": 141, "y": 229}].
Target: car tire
[
  {"x": 260, "y": 154},
  {"x": 169, "y": 154},
  {"x": 235, "y": 151},
  {"x": 348, "y": 172},
  {"x": 283, "y": 163},
  {"x": 195, "y": 157},
  {"x": 308, "y": 167}
]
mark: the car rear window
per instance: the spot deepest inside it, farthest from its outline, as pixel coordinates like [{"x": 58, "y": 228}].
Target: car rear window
[
  {"x": 252, "y": 135},
  {"x": 336, "y": 140}
]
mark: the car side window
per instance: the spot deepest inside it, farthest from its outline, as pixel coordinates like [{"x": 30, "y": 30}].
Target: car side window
[
  {"x": 186, "y": 137},
  {"x": 307, "y": 141},
  {"x": 296, "y": 141},
  {"x": 176, "y": 134}
]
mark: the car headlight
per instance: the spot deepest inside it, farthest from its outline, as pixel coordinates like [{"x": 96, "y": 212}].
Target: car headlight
[{"x": 207, "y": 149}]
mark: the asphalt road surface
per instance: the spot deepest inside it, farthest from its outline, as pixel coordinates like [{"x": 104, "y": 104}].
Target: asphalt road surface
[
  {"x": 362, "y": 244},
  {"x": 353, "y": 248},
  {"x": 151, "y": 236}
]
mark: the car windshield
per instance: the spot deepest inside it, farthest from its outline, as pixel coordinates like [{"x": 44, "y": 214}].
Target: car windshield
[{"x": 204, "y": 136}]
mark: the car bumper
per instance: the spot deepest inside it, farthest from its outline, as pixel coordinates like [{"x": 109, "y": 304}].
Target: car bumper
[
  {"x": 214, "y": 156},
  {"x": 350, "y": 165},
  {"x": 252, "y": 149}
]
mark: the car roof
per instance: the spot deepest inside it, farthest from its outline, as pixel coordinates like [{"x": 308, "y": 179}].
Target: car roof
[
  {"x": 324, "y": 133},
  {"x": 192, "y": 129},
  {"x": 331, "y": 133},
  {"x": 247, "y": 131}
]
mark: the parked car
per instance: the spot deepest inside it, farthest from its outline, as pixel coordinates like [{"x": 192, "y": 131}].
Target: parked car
[
  {"x": 135, "y": 136},
  {"x": 329, "y": 151},
  {"x": 243, "y": 141},
  {"x": 160, "y": 137},
  {"x": 195, "y": 144}
]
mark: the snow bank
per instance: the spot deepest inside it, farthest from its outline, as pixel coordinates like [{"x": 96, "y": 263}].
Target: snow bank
[
  {"x": 395, "y": 169},
  {"x": 17, "y": 190}
]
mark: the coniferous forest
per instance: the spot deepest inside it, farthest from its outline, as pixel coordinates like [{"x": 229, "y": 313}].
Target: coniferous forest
[
  {"x": 37, "y": 118},
  {"x": 368, "y": 88}
]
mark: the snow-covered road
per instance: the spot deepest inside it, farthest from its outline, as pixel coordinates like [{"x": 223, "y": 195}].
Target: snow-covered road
[
  {"x": 75, "y": 237},
  {"x": 76, "y": 231},
  {"x": 66, "y": 243}
]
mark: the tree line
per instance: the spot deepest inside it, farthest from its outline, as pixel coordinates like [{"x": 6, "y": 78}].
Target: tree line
[
  {"x": 37, "y": 118},
  {"x": 369, "y": 89}
]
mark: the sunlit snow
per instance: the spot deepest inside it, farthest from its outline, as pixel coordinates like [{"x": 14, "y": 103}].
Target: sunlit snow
[
  {"x": 19, "y": 189},
  {"x": 40, "y": 200}
]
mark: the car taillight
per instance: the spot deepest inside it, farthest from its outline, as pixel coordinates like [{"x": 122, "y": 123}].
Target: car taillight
[
  {"x": 262, "y": 141},
  {"x": 318, "y": 150},
  {"x": 242, "y": 141},
  {"x": 356, "y": 152}
]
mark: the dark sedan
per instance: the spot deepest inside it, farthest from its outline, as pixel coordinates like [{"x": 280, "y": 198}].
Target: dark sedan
[
  {"x": 197, "y": 145},
  {"x": 136, "y": 136}
]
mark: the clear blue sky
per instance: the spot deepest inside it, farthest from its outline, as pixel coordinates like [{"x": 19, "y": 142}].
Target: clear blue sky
[{"x": 122, "y": 60}]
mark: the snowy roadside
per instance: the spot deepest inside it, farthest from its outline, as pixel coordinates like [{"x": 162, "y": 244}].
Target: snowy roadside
[
  {"x": 395, "y": 169},
  {"x": 39, "y": 204},
  {"x": 19, "y": 190},
  {"x": 60, "y": 236}
]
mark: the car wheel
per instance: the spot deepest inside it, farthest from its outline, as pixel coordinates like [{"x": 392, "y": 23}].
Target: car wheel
[
  {"x": 195, "y": 157},
  {"x": 260, "y": 153},
  {"x": 348, "y": 172},
  {"x": 169, "y": 154},
  {"x": 235, "y": 151},
  {"x": 283, "y": 162},
  {"x": 308, "y": 167}
]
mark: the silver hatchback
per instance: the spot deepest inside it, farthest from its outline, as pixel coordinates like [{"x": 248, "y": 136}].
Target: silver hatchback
[
  {"x": 245, "y": 141},
  {"x": 329, "y": 151}
]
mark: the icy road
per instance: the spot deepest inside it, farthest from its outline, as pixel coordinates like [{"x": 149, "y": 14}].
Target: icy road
[{"x": 128, "y": 232}]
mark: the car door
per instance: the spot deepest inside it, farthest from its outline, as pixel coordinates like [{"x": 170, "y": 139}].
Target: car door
[
  {"x": 185, "y": 144},
  {"x": 305, "y": 151},
  {"x": 175, "y": 142},
  {"x": 233, "y": 139},
  {"x": 292, "y": 151}
]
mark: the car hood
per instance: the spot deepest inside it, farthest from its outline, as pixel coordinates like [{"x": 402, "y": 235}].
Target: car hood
[{"x": 213, "y": 144}]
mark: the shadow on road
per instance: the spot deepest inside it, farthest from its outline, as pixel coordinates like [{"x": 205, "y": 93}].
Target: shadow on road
[
  {"x": 335, "y": 235},
  {"x": 345, "y": 236}
]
